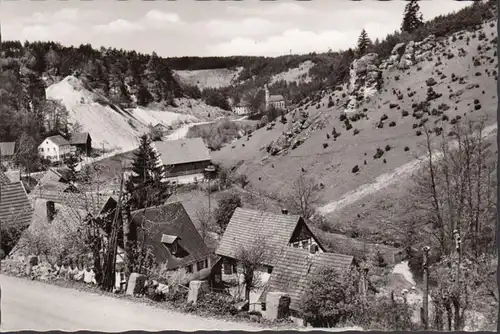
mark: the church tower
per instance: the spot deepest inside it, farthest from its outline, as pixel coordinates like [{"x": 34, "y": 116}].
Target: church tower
[{"x": 267, "y": 96}]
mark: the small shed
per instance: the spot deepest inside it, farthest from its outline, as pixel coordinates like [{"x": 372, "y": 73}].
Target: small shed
[{"x": 82, "y": 142}]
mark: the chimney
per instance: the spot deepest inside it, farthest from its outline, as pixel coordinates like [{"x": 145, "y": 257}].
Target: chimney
[
  {"x": 284, "y": 211},
  {"x": 313, "y": 249},
  {"x": 51, "y": 211}
]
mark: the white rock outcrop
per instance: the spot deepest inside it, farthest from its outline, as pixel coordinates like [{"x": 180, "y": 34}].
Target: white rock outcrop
[{"x": 365, "y": 80}]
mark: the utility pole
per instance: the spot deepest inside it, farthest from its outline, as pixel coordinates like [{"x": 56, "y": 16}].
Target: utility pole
[
  {"x": 425, "y": 302},
  {"x": 458, "y": 244},
  {"x": 209, "y": 170}
]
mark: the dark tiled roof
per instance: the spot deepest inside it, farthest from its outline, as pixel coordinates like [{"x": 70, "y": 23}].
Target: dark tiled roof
[
  {"x": 295, "y": 269},
  {"x": 66, "y": 217},
  {"x": 15, "y": 206},
  {"x": 58, "y": 140},
  {"x": 7, "y": 149},
  {"x": 247, "y": 227},
  {"x": 173, "y": 152},
  {"x": 91, "y": 203},
  {"x": 52, "y": 175},
  {"x": 276, "y": 98},
  {"x": 4, "y": 179},
  {"x": 79, "y": 138},
  {"x": 171, "y": 219}
]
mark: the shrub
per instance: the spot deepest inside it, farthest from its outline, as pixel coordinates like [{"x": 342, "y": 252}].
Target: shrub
[
  {"x": 407, "y": 148},
  {"x": 325, "y": 145},
  {"x": 379, "y": 153},
  {"x": 356, "y": 131},
  {"x": 387, "y": 148},
  {"x": 404, "y": 113},
  {"x": 216, "y": 304},
  {"x": 355, "y": 169},
  {"x": 392, "y": 124}
]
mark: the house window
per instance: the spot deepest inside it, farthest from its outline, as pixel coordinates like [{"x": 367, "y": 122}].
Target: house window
[
  {"x": 200, "y": 265},
  {"x": 189, "y": 269}
]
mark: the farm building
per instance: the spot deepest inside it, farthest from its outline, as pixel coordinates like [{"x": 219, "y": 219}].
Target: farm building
[{"x": 185, "y": 159}]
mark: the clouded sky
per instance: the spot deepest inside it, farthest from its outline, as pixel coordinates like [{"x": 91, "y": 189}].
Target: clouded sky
[{"x": 209, "y": 28}]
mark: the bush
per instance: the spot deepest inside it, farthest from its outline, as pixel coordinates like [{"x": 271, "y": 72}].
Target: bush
[
  {"x": 216, "y": 304},
  {"x": 355, "y": 169},
  {"x": 407, "y": 148},
  {"x": 379, "y": 153}
]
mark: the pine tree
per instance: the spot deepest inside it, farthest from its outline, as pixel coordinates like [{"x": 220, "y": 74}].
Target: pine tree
[
  {"x": 71, "y": 162},
  {"x": 145, "y": 185},
  {"x": 412, "y": 18},
  {"x": 363, "y": 42}
]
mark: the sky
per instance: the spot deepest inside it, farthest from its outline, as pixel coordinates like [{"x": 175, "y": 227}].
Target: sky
[{"x": 209, "y": 28}]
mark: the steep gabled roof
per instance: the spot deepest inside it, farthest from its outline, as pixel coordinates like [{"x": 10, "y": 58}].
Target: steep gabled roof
[
  {"x": 173, "y": 152},
  {"x": 246, "y": 227},
  {"x": 296, "y": 267},
  {"x": 4, "y": 179},
  {"x": 79, "y": 138},
  {"x": 66, "y": 219},
  {"x": 52, "y": 175},
  {"x": 92, "y": 203},
  {"x": 58, "y": 140},
  {"x": 15, "y": 207},
  {"x": 171, "y": 219},
  {"x": 7, "y": 148}
]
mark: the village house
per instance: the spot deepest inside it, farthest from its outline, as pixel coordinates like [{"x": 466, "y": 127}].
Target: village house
[
  {"x": 7, "y": 151},
  {"x": 161, "y": 128},
  {"x": 52, "y": 183},
  {"x": 276, "y": 101},
  {"x": 15, "y": 206},
  {"x": 185, "y": 159},
  {"x": 4, "y": 179},
  {"x": 250, "y": 230},
  {"x": 175, "y": 241},
  {"x": 292, "y": 274},
  {"x": 242, "y": 108},
  {"x": 68, "y": 215},
  {"x": 82, "y": 142},
  {"x": 54, "y": 148}
]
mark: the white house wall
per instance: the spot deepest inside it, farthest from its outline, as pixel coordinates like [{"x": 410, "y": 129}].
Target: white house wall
[{"x": 52, "y": 151}]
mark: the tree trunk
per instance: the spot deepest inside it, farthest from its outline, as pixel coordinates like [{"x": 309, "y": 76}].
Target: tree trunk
[{"x": 126, "y": 231}]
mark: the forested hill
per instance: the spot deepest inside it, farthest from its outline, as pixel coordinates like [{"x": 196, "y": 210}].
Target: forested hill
[{"x": 129, "y": 78}]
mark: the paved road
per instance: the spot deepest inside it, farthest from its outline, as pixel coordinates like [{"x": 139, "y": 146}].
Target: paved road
[{"x": 31, "y": 305}]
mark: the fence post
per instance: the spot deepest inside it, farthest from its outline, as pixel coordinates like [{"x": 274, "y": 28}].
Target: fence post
[{"x": 425, "y": 302}]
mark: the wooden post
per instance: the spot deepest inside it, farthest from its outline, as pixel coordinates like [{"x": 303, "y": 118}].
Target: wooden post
[
  {"x": 458, "y": 242},
  {"x": 425, "y": 302}
]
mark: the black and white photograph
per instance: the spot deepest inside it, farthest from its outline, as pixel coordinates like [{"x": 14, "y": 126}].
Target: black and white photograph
[{"x": 248, "y": 165}]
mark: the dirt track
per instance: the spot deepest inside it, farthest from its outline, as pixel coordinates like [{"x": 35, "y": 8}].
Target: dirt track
[{"x": 31, "y": 305}]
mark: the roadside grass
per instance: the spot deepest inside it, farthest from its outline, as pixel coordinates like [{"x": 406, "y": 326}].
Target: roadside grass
[{"x": 165, "y": 305}]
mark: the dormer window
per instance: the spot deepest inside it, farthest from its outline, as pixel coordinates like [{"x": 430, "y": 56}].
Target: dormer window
[{"x": 170, "y": 241}]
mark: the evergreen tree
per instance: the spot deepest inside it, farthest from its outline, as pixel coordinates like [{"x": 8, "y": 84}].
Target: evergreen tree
[
  {"x": 412, "y": 18},
  {"x": 145, "y": 185},
  {"x": 363, "y": 42},
  {"x": 71, "y": 162}
]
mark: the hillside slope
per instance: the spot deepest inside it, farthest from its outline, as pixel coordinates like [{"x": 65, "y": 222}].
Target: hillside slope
[
  {"x": 117, "y": 128},
  {"x": 210, "y": 78},
  {"x": 459, "y": 70}
]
